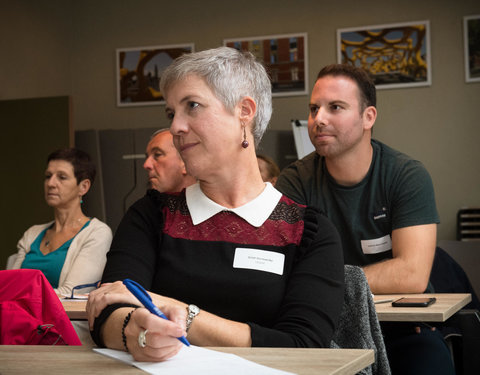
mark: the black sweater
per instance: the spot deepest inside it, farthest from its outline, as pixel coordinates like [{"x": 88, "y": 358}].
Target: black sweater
[{"x": 157, "y": 245}]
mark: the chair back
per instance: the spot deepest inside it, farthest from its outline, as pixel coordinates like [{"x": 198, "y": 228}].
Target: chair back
[{"x": 462, "y": 333}]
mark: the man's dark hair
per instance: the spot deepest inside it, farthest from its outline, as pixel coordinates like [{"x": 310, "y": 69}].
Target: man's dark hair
[{"x": 366, "y": 87}]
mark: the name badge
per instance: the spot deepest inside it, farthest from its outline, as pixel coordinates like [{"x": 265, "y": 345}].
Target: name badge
[
  {"x": 377, "y": 245},
  {"x": 261, "y": 260}
]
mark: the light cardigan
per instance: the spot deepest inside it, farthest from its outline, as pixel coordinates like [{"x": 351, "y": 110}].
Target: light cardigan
[{"x": 86, "y": 256}]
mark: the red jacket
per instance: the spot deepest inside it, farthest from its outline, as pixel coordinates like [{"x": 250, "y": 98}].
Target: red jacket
[{"x": 30, "y": 311}]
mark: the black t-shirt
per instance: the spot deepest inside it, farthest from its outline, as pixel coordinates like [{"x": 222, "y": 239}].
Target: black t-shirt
[{"x": 397, "y": 192}]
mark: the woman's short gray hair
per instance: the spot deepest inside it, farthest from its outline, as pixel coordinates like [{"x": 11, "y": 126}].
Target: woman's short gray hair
[{"x": 231, "y": 75}]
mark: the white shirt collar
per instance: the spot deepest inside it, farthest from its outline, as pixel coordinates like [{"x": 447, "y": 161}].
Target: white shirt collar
[{"x": 255, "y": 212}]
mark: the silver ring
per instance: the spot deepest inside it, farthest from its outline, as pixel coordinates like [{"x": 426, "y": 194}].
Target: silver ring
[{"x": 142, "y": 338}]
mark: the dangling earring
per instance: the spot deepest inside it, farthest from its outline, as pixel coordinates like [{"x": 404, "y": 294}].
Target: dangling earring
[
  {"x": 245, "y": 142},
  {"x": 81, "y": 199}
]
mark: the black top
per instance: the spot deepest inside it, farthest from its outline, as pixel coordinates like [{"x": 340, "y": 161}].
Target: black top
[
  {"x": 397, "y": 192},
  {"x": 157, "y": 245}
]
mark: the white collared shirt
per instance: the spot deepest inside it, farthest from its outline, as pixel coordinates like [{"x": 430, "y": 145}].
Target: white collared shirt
[{"x": 255, "y": 212}]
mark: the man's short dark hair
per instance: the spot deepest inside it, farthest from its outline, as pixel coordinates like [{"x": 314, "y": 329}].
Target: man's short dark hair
[{"x": 366, "y": 86}]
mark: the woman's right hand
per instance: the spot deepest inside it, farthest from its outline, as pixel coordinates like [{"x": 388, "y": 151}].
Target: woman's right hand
[{"x": 161, "y": 341}]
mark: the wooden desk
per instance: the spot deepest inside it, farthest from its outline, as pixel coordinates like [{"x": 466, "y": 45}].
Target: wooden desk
[
  {"x": 445, "y": 306},
  {"x": 51, "y": 360},
  {"x": 75, "y": 309}
]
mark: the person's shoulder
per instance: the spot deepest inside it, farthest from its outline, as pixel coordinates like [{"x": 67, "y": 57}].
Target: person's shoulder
[
  {"x": 99, "y": 225},
  {"x": 157, "y": 198},
  {"x": 37, "y": 228},
  {"x": 156, "y": 195},
  {"x": 388, "y": 151},
  {"x": 401, "y": 170},
  {"x": 308, "y": 213},
  {"x": 31, "y": 233},
  {"x": 392, "y": 157},
  {"x": 291, "y": 202},
  {"x": 159, "y": 202},
  {"x": 302, "y": 170},
  {"x": 291, "y": 209},
  {"x": 306, "y": 162},
  {"x": 152, "y": 198},
  {"x": 97, "y": 222}
]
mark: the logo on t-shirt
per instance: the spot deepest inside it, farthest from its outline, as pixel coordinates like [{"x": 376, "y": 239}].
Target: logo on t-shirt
[{"x": 381, "y": 214}]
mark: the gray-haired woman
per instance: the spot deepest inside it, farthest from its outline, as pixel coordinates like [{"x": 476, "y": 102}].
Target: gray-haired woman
[{"x": 230, "y": 260}]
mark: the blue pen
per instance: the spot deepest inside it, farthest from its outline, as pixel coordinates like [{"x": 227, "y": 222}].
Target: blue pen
[{"x": 145, "y": 299}]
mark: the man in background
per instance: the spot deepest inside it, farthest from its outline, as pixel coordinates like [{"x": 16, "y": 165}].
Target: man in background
[
  {"x": 381, "y": 201},
  {"x": 165, "y": 167}
]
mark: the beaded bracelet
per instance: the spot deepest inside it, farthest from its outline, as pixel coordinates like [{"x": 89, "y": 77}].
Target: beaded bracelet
[{"x": 125, "y": 322}]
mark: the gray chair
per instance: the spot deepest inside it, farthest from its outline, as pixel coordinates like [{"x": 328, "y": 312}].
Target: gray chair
[
  {"x": 467, "y": 255},
  {"x": 449, "y": 275},
  {"x": 462, "y": 334},
  {"x": 358, "y": 326}
]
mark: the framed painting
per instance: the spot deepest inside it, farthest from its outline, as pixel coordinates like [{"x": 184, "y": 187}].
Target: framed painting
[
  {"x": 285, "y": 58},
  {"x": 139, "y": 70},
  {"x": 471, "y": 31},
  {"x": 395, "y": 55}
]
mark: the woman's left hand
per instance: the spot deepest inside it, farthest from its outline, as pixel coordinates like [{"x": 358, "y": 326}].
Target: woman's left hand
[{"x": 107, "y": 294}]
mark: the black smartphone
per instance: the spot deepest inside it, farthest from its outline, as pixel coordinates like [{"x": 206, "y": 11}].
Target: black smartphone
[{"x": 414, "y": 302}]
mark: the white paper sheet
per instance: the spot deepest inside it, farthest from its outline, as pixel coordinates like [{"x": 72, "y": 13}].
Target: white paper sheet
[{"x": 196, "y": 360}]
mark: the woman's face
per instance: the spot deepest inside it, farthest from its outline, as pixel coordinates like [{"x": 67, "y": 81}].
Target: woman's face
[
  {"x": 206, "y": 134},
  {"x": 61, "y": 186}
]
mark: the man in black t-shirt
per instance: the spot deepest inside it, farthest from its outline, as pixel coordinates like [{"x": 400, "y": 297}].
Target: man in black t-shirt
[{"x": 381, "y": 201}]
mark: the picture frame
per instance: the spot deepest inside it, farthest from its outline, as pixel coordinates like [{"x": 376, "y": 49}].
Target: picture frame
[
  {"x": 471, "y": 37},
  {"x": 139, "y": 70},
  {"x": 395, "y": 55},
  {"x": 285, "y": 57}
]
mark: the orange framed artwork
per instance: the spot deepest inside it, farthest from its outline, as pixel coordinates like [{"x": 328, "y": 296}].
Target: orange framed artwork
[
  {"x": 139, "y": 70},
  {"x": 395, "y": 55}
]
